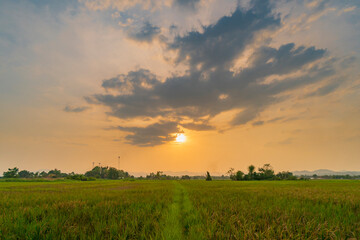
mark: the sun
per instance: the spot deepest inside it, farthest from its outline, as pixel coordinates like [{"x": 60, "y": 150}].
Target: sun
[{"x": 180, "y": 138}]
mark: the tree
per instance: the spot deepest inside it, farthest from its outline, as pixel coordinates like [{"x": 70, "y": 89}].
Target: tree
[
  {"x": 159, "y": 175},
  {"x": 185, "y": 177},
  {"x": 43, "y": 174},
  {"x": 251, "y": 169},
  {"x": 11, "y": 173},
  {"x": 285, "y": 175},
  {"x": 208, "y": 177},
  {"x": 95, "y": 172},
  {"x": 266, "y": 172},
  {"x": 239, "y": 175},
  {"x": 106, "y": 172},
  {"x": 123, "y": 174},
  {"x": 231, "y": 173},
  {"x": 25, "y": 174},
  {"x": 55, "y": 173},
  {"x": 113, "y": 173}
]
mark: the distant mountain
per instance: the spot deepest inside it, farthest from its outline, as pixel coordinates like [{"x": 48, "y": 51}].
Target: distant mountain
[{"x": 322, "y": 172}]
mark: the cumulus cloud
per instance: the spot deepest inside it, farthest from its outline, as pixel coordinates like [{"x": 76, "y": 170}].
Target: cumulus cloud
[
  {"x": 74, "y": 109},
  {"x": 210, "y": 55}
]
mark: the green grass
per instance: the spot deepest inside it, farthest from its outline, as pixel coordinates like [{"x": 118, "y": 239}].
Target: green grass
[
  {"x": 180, "y": 210},
  {"x": 280, "y": 210},
  {"x": 83, "y": 210}
]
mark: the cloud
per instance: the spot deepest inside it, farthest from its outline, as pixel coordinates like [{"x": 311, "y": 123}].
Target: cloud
[
  {"x": 258, "y": 123},
  {"x": 152, "y": 135},
  {"x": 74, "y": 109},
  {"x": 147, "y": 33},
  {"x": 198, "y": 126},
  {"x": 325, "y": 90},
  {"x": 219, "y": 44},
  {"x": 123, "y": 5},
  {"x": 275, "y": 119},
  {"x": 210, "y": 56},
  {"x": 189, "y": 4}
]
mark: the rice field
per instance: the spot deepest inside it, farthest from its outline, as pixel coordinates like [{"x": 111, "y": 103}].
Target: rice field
[{"x": 189, "y": 209}]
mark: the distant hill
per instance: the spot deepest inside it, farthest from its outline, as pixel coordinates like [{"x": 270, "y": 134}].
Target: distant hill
[{"x": 322, "y": 172}]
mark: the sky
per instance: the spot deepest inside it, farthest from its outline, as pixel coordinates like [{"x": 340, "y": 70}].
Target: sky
[{"x": 244, "y": 82}]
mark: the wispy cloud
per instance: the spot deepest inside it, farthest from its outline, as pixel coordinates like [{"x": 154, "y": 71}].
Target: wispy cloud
[{"x": 73, "y": 109}]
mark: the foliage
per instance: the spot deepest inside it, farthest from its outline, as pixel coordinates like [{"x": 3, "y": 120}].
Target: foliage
[
  {"x": 185, "y": 177},
  {"x": 96, "y": 172},
  {"x": 231, "y": 173},
  {"x": 347, "y": 176},
  {"x": 251, "y": 174},
  {"x": 239, "y": 176},
  {"x": 264, "y": 173},
  {"x": 208, "y": 177},
  {"x": 80, "y": 177},
  {"x": 25, "y": 174},
  {"x": 160, "y": 176},
  {"x": 11, "y": 173},
  {"x": 285, "y": 175},
  {"x": 107, "y": 173}
]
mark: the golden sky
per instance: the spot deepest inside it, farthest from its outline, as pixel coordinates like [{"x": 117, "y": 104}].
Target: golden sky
[{"x": 179, "y": 85}]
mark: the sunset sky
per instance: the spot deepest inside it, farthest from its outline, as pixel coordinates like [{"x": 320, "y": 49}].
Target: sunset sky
[{"x": 179, "y": 85}]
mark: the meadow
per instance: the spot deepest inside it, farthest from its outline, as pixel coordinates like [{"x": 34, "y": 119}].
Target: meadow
[{"x": 187, "y": 209}]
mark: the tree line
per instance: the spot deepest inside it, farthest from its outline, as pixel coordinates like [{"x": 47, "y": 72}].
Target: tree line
[
  {"x": 264, "y": 173},
  {"x": 93, "y": 174},
  {"x": 347, "y": 176}
]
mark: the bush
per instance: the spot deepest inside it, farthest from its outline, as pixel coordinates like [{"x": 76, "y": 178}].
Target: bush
[{"x": 80, "y": 177}]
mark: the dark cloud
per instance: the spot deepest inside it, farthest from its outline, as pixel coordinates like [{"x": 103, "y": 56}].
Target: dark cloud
[
  {"x": 147, "y": 33},
  {"x": 189, "y": 4},
  {"x": 173, "y": 28},
  {"x": 212, "y": 85},
  {"x": 74, "y": 109},
  {"x": 218, "y": 45},
  {"x": 198, "y": 126},
  {"x": 152, "y": 135}
]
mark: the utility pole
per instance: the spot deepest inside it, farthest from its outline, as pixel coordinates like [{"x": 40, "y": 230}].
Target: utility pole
[{"x": 119, "y": 162}]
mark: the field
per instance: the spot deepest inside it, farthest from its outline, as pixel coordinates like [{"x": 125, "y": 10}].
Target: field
[{"x": 180, "y": 210}]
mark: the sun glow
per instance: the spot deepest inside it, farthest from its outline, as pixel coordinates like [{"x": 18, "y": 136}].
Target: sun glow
[{"x": 180, "y": 138}]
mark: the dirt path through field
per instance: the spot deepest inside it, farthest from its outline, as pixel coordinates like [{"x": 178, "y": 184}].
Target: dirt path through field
[{"x": 182, "y": 221}]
